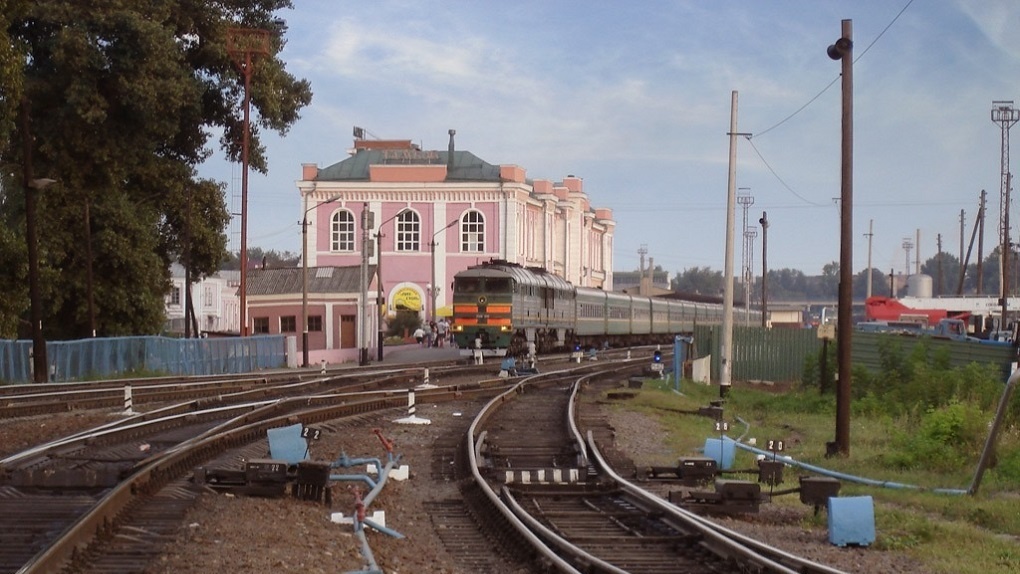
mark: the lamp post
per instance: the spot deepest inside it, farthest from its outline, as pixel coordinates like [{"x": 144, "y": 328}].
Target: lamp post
[
  {"x": 435, "y": 286},
  {"x": 304, "y": 280},
  {"x": 367, "y": 224},
  {"x": 242, "y": 45},
  {"x": 380, "y": 302},
  {"x": 33, "y": 186},
  {"x": 88, "y": 276},
  {"x": 429, "y": 306}
]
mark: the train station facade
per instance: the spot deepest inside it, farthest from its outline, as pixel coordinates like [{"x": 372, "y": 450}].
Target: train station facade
[{"x": 415, "y": 218}]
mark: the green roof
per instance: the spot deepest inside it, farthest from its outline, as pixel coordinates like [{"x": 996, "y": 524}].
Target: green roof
[{"x": 466, "y": 165}]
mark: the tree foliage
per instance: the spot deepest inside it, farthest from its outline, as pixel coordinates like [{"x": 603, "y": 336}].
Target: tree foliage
[
  {"x": 700, "y": 280},
  {"x": 121, "y": 100}
]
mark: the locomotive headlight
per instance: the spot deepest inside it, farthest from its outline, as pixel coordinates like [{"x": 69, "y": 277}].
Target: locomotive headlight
[
  {"x": 458, "y": 328},
  {"x": 505, "y": 328}
]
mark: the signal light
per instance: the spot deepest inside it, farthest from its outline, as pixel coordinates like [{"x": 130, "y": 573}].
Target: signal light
[{"x": 657, "y": 357}]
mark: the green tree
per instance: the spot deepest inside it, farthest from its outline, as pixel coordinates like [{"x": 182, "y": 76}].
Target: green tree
[
  {"x": 121, "y": 100},
  {"x": 701, "y": 280},
  {"x": 829, "y": 281},
  {"x": 256, "y": 256},
  {"x": 879, "y": 284},
  {"x": 944, "y": 270}
]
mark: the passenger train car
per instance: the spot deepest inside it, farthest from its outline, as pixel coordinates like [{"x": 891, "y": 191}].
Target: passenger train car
[{"x": 501, "y": 307}]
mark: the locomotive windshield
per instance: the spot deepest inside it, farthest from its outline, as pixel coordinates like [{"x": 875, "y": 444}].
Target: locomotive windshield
[
  {"x": 468, "y": 285},
  {"x": 492, "y": 284}
]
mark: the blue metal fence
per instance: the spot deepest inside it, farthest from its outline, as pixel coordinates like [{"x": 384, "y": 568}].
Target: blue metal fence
[{"x": 117, "y": 356}]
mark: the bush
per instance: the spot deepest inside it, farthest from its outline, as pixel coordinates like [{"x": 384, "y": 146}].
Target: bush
[
  {"x": 942, "y": 439},
  {"x": 403, "y": 323},
  {"x": 1007, "y": 468}
]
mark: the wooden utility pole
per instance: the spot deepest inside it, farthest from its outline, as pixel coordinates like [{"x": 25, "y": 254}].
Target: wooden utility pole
[{"x": 843, "y": 50}]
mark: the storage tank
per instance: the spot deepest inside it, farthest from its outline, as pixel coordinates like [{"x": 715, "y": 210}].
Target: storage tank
[{"x": 919, "y": 286}]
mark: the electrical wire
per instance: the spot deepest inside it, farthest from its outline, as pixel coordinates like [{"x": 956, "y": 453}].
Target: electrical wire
[
  {"x": 809, "y": 102},
  {"x": 830, "y": 84}
]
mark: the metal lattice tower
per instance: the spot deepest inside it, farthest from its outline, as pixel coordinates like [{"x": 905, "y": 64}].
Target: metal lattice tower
[
  {"x": 908, "y": 244},
  {"x": 746, "y": 200},
  {"x": 749, "y": 234},
  {"x": 1004, "y": 114}
]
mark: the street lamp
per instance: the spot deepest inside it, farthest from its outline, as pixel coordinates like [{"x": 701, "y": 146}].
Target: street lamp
[
  {"x": 88, "y": 276},
  {"x": 242, "y": 45},
  {"x": 33, "y": 186},
  {"x": 435, "y": 286},
  {"x": 379, "y": 284},
  {"x": 304, "y": 279},
  {"x": 429, "y": 306}
]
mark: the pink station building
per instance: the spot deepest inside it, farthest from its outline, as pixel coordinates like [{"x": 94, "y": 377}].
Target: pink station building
[{"x": 432, "y": 214}]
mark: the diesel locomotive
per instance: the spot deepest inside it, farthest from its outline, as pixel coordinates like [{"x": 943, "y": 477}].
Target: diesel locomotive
[{"x": 500, "y": 308}]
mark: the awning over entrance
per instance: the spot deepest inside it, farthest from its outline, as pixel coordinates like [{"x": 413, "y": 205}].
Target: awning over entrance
[{"x": 407, "y": 299}]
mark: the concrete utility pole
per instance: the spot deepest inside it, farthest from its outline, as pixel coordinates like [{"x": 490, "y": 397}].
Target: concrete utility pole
[
  {"x": 963, "y": 226},
  {"x": 981, "y": 243},
  {"x": 367, "y": 224},
  {"x": 731, "y": 200},
  {"x": 843, "y": 50},
  {"x": 869, "y": 235},
  {"x": 1004, "y": 114},
  {"x": 917, "y": 253},
  {"x": 938, "y": 243}
]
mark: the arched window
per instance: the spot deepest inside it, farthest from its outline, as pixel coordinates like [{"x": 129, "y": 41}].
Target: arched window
[
  {"x": 342, "y": 231},
  {"x": 408, "y": 231},
  {"x": 472, "y": 232}
]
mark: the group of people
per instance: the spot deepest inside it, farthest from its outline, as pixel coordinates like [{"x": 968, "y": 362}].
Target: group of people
[{"x": 434, "y": 334}]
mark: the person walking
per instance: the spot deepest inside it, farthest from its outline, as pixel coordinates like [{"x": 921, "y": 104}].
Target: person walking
[
  {"x": 419, "y": 335},
  {"x": 441, "y": 328}
]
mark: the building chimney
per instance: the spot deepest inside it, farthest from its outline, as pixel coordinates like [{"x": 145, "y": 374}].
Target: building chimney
[{"x": 449, "y": 154}]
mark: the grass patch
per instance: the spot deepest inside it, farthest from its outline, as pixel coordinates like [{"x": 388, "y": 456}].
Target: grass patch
[{"x": 917, "y": 444}]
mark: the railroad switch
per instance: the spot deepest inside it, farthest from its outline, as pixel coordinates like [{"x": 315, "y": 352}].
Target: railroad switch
[
  {"x": 259, "y": 477},
  {"x": 312, "y": 482},
  {"x": 713, "y": 412},
  {"x": 693, "y": 471},
  {"x": 816, "y": 490},
  {"x": 770, "y": 472},
  {"x": 729, "y": 497}
]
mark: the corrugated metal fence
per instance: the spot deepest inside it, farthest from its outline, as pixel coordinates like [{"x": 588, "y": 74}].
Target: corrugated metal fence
[
  {"x": 109, "y": 357},
  {"x": 759, "y": 354},
  {"x": 779, "y": 354},
  {"x": 866, "y": 351}
]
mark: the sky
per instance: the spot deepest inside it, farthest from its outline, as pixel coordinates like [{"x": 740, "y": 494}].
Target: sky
[{"x": 635, "y": 99}]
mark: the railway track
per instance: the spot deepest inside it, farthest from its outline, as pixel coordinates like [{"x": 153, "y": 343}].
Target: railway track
[
  {"x": 553, "y": 486},
  {"x": 30, "y": 400},
  {"x": 110, "y": 497},
  {"x": 118, "y": 525}
]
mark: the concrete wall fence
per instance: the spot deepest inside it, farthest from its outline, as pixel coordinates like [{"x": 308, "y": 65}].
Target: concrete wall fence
[{"x": 122, "y": 356}]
